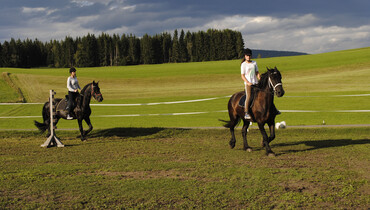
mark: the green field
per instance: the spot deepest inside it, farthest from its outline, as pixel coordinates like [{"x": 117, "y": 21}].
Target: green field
[
  {"x": 151, "y": 161},
  {"x": 311, "y": 82}
]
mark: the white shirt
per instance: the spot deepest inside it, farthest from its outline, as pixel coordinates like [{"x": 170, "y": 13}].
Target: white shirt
[
  {"x": 72, "y": 84},
  {"x": 250, "y": 71}
]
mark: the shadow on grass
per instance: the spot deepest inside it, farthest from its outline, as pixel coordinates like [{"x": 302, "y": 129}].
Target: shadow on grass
[
  {"x": 321, "y": 144},
  {"x": 125, "y": 132}
]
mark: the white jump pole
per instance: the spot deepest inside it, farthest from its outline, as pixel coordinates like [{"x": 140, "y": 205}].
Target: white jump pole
[{"x": 53, "y": 140}]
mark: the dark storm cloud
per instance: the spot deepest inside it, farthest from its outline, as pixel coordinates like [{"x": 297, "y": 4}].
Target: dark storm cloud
[{"x": 287, "y": 24}]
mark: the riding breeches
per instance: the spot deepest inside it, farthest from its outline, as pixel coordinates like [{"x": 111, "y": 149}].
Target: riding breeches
[
  {"x": 71, "y": 100},
  {"x": 248, "y": 90}
]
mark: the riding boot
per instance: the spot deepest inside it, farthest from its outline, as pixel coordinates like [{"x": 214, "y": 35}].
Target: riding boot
[
  {"x": 69, "y": 114},
  {"x": 69, "y": 107},
  {"x": 247, "y": 102}
]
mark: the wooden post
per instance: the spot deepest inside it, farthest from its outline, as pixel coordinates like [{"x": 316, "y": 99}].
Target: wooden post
[{"x": 53, "y": 140}]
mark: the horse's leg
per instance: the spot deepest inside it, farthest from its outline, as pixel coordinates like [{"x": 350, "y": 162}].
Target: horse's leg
[
  {"x": 244, "y": 133},
  {"x": 81, "y": 129},
  {"x": 87, "y": 120},
  {"x": 269, "y": 152},
  {"x": 233, "y": 123},
  {"x": 272, "y": 130}
]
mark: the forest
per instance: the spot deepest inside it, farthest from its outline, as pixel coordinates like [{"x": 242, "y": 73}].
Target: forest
[{"x": 116, "y": 50}]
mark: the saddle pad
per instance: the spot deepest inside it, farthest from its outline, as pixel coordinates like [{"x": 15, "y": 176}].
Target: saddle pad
[
  {"x": 242, "y": 101},
  {"x": 61, "y": 105}
]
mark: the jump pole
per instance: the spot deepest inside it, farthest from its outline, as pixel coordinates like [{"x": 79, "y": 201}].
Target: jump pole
[{"x": 53, "y": 140}]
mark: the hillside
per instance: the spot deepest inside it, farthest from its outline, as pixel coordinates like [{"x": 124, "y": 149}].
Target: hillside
[
  {"x": 273, "y": 53},
  {"x": 312, "y": 84}
]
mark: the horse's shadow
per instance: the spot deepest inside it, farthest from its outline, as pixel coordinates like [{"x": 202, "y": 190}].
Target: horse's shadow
[
  {"x": 321, "y": 144},
  {"x": 125, "y": 132}
]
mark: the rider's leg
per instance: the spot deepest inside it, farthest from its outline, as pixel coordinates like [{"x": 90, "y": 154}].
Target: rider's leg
[
  {"x": 70, "y": 105},
  {"x": 247, "y": 101}
]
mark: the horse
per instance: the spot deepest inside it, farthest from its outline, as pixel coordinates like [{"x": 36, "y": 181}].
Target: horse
[
  {"x": 81, "y": 111},
  {"x": 262, "y": 110}
]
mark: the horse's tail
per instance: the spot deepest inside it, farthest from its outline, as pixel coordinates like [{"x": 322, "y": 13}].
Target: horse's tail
[
  {"x": 43, "y": 126},
  {"x": 229, "y": 123},
  {"x": 234, "y": 120}
]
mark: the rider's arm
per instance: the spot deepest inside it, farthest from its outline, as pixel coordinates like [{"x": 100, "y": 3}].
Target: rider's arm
[
  {"x": 245, "y": 80},
  {"x": 69, "y": 86}
]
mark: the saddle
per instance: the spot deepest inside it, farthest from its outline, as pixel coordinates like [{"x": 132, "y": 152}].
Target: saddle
[
  {"x": 62, "y": 104},
  {"x": 243, "y": 98}
]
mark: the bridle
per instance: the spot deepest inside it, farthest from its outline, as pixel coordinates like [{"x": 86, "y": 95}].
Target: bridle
[
  {"x": 274, "y": 86},
  {"x": 93, "y": 93}
]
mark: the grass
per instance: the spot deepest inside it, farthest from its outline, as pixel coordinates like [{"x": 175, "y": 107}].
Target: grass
[
  {"x": 7, "y": 92},
  {"x": 140, "y": 162},
  {"x": 314, "y": 78},
  {"x": 155, "y": 168}
]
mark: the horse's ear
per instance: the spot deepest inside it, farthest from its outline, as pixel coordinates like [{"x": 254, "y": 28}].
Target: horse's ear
[
  {"x": 276, "y": 68},
  {"x": 94, "y": 82}
]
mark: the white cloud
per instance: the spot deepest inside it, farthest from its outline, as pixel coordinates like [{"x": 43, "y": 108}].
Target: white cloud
[
  {"x": 28, "y": 10},
  {"x": 296, "y": 33},
  {"x": 83, "y": 3}
]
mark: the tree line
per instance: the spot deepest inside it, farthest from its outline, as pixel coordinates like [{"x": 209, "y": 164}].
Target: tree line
[{"x": 115, "y": 50}]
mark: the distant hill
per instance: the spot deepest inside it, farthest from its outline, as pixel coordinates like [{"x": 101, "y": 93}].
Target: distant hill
[{"x": 274, "y": 53}]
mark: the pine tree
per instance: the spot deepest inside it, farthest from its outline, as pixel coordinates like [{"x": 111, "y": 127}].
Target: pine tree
[
  {"x": 147, "y": 51},
  {"x": 175, "y": 51}
]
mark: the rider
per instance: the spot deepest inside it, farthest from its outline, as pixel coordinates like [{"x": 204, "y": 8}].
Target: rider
[
  {"x": 73, "y": 86},
  {"x": 250, "y": 76}
]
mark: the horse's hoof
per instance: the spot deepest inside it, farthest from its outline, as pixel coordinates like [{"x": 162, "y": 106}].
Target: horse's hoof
[
  {"x": 232, "y": 145},
  {"x": 249, "y": 150},
  {"x": 271, "y": 154}
]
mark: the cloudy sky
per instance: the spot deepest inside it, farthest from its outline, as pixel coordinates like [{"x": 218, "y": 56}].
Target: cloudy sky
[{"x": 311, "y": 26}]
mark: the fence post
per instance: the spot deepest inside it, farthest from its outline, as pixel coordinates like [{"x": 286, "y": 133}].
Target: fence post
[{"x": 52, "y": 140}]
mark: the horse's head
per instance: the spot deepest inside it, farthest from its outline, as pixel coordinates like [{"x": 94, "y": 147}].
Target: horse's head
[
  {"x": 275, "y": 81},
  {"x": 95, "y": 91}
]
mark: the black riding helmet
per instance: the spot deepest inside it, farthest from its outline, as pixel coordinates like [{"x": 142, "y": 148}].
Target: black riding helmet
[
  {"x": 72, "y": 69},
  {"x": 248, "y": 52}
]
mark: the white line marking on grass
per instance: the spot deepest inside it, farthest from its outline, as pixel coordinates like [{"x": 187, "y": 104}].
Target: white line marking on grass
[
  {"x": 19, "y": 117},
  {"x": 159, "y": 103},
  {"x": 356, "y": 95},
  {"x": 21, "y": 103}
]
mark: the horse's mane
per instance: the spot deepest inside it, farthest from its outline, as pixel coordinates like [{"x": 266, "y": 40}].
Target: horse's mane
[
  {"x": 86, "y": 86},
  {"x": 263, "y": 81}
]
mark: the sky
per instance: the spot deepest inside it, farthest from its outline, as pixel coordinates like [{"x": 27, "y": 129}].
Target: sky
[{"x": 310, "y": 26}]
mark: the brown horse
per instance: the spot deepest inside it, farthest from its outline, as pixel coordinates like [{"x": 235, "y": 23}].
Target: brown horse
[
  {"x": 262, "y": 110},
  {"x": 81, "y": 112}
]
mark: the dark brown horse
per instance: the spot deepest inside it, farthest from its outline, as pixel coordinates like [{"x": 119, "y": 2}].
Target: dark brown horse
[
  {"x": 81, "y": 112},
  {"x": 262, "y": 110}
]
